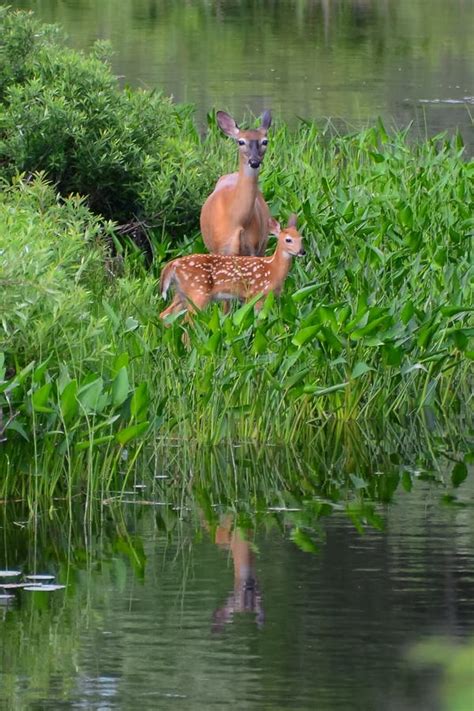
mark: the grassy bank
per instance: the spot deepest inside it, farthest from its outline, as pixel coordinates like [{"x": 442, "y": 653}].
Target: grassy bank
[{"x": 376, "y": 322}]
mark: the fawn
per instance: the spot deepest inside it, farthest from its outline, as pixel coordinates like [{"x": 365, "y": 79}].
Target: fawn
[
  {"x": 234, "y": 217},
  {"x": 201, "y": 278}
]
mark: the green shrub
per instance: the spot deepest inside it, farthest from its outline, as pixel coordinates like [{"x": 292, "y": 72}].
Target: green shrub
[
  {"x": 134, "y": 154},
  {"x": 51, "y": 272}
]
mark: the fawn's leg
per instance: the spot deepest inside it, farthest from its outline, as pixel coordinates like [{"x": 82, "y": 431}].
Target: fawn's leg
[
  {"x": 197, "y": 303},
  {"x": 176, "y": 305}
]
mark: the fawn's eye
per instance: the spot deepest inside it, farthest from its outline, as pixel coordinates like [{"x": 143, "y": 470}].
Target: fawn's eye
[
  {"x": 288, "y": 239},
  {"x": 241, "y": 142},
  {"x": 265, "y": 142}
]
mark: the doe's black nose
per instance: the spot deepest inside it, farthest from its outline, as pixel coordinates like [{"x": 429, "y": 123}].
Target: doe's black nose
[{"x": 254, "y": 163}]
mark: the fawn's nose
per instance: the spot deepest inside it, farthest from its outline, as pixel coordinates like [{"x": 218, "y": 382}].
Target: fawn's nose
[
  {"x": 302, "y": 252},
  {"x": 254, "y": 163}
]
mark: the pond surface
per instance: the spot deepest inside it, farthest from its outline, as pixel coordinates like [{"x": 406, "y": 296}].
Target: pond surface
[
  {"x": 405, "y": 60},
  {"x": 239, "y": 578}
]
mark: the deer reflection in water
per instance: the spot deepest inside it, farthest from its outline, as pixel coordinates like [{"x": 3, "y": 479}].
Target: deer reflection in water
[{"x": 246, "y": 596}]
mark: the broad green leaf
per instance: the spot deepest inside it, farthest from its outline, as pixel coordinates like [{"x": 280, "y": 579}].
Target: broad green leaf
[
  {"x": 295, "y": 378},
  {"x": 88, "y": 395},
  {"x": 131, "y": 324},
  {"x": 377, "y": 157},
  {"x": 139, "y": 402},
  {"x": 120, "y": 387},
  {"x": 267, "y": 307},
  {"x": 260, "y": 342},
  {"x": 406, "y": 216},
  {"x": 120, "y": 361},
  {"x": 407, "y": 312},
  {"x": 359, "y": 369},
  {"x": 68, "y": 401},
  {"x": 132, "y": 432},
  {"x": 393, "y": 354},
  {"x": 377, "y": 252},
  {"x": 305, "y": 334},
  {"x": 244, "y": 310},
  {"x": 306, "y": 291},
  {"x": 40, "y": 397},
  {"x": 332, "y": 339},
  {"x": 370, "y": 327},
  {"x": 63, "y": 378},
  {"x": 212, "y": 343},
  {"x": 214, "y": 323},
  {"x": 40, "y": 370},
  {"x": 16, "y": 426},
  {"x": 426, "y": 333}
]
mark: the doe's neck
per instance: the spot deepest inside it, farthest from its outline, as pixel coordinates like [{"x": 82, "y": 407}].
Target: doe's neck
[{"x": 244, "y": 194}]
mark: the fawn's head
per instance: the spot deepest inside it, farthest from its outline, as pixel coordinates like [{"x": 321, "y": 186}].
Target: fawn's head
[
  {"x": 289, "y": 239},
  {"x": 253, "y": 143}
]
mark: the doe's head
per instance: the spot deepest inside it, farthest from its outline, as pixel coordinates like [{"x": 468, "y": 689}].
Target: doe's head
[
  {"x": 252, "y": 143},
  {"x": 289, "y": 238}
]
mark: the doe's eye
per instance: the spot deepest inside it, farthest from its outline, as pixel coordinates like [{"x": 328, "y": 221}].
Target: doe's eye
[
  {"x": 241, "y": 142},
  {"x": 265, "y": 142}
]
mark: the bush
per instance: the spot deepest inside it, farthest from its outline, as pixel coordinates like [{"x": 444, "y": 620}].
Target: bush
[
  {"x": 52, "y": 271},
  {"x": 134, "y": 154}
]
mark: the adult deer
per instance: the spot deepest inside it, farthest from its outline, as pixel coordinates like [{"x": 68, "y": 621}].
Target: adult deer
[
  {"x": 235, "y": 216},
  {"x": 201, "y": 278}
]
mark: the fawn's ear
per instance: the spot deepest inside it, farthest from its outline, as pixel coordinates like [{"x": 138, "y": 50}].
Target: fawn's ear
[
  {"x": 266, "y": 120},
  {"x": 227, "y": 124},
  {"x": 273, "y": 226},
  {"x": 292, "y": 220}
]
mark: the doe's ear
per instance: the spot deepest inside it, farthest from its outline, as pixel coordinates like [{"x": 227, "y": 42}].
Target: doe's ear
[
  {"x": 274, "y": 226},
  {"x": 266, "y": 119},
  {"x": 292, "y": 220},
  {"x": 227, "y": 124}
]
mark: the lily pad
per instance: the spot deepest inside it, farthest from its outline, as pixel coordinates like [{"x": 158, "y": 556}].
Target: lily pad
[
  {"x": 37, "y": 578},
  {"x": 9, "y": 573}
]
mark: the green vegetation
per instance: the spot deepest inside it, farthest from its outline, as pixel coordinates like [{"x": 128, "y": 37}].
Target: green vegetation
[
  {"x": 134, "y": 154},
  {"x": 375, "y": 322}
]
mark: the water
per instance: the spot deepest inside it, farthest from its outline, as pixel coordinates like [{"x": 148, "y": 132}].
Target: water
[
  {"x": 405, "y": 60},
  {"x": 238, "y": 578}
]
